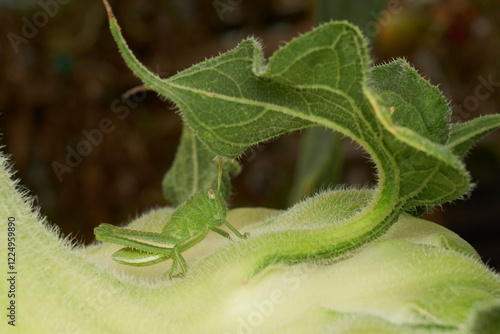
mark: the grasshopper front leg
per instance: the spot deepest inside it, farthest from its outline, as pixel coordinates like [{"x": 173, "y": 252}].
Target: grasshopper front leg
[
  {"x": 224, "y": 233},
  {"x": 221, "y": 232}
]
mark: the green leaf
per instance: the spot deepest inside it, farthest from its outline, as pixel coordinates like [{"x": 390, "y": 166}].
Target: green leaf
[
  {"x": 323, "y": 78},
  {"x": 194, "y": 169},
  {"x": 320, "y": 160},
  {"x": 464, "y": 135},
  {"x": 420, "y": 119},
  {"x": 419, "y": 106}
]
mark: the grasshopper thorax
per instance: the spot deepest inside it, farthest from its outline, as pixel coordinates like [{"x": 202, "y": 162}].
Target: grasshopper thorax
[{"x": 217, "y": 207}]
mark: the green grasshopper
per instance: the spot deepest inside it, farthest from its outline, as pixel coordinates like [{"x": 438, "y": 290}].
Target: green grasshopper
[{"x": 203, "y": 212}]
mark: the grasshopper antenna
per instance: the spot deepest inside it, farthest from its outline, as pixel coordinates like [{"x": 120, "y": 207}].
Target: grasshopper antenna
[{"x": 219, "y": 181}]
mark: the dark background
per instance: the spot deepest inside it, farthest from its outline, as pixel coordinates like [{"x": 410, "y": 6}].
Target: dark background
[{"x": 66, "y": 75}]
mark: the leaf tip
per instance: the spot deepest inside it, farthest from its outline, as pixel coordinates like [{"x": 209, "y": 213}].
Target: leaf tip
[{"x": 111, "y": 16}]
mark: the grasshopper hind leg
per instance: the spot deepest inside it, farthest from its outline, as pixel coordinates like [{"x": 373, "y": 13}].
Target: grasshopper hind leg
[{"x": 137, "y": 258}]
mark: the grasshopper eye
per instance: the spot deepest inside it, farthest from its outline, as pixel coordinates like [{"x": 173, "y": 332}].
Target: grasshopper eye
[{"x": 211, "y": 193}]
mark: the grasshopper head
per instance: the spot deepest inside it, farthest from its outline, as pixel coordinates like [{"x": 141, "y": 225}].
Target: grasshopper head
[{"x": 217, "y": 206}]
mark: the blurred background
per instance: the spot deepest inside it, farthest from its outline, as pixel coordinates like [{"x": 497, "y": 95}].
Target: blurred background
[{"x": 61, "y": 75}]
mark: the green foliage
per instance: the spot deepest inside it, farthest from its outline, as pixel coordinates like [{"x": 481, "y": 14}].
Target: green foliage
[
  {"x": 320, "y": 159},
  {"x": 323, "y": 78},
  {"x": 302, "y": 270},
  {"x": 464, "y": 135}
]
